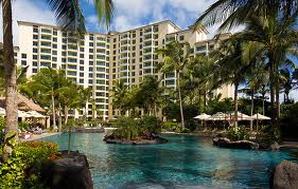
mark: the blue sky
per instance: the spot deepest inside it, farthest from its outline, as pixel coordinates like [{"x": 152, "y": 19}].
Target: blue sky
[{"x": 127, "y": 14}]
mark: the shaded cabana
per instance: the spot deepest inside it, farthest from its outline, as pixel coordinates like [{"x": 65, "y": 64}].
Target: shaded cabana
[
  {"x": 259, "y": 117},
  {"x": 27, "y": 109},
  {"x": 203, "y": 117}
]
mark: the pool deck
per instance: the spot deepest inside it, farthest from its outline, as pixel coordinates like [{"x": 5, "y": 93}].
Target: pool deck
[{"x": 36, "y": 137}]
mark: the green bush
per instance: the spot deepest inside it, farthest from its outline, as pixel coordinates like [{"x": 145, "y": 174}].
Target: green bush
[
  {"x": 237, "y": 133},
  {"x": 170, "y": 126},
  {"x": 131, "y": 129},
  {"x": 150, "y": 124},
  {"x": 23, "y": 168},
  {"x": 23, "y": 125},
  {"x": 127, "y": 128}
]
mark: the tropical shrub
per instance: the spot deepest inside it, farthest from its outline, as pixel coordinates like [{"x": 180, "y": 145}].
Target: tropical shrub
[
  {"x": 170, "y": 126},
  {"x": 237, "y": 133},
  {"x": 127, "y": 128},
  {"x": 266, "y": 136},
  {"x": 289, "y": 120},
  {"x": 131, "y": 129},
  {"x": 150, "y": 124},
  {"x": 23, "y": 168},
  {"x": 23, "y": 125}
]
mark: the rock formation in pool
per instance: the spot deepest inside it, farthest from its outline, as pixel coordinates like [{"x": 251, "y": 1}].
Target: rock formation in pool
[
  {"x": 240, "y": 144},
  {"x": 285, "y": 175},
  {"x": 135, "y": 131}
]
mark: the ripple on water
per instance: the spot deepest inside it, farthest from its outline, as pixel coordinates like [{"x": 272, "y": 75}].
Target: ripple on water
[{"x": 184, "y": 162}]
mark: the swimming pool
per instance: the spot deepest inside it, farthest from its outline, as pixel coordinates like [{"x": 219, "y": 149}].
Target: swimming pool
[{"x": 183, "y": 162}]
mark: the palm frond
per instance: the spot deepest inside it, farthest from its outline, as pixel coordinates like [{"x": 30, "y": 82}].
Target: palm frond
[{"x": 68, "y": 15}]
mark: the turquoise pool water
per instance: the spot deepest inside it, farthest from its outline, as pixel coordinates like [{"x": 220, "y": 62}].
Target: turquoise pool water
[{"x": 184, "y": 162}]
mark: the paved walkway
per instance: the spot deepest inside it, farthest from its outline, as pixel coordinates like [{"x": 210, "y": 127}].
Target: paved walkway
[{"x": 36, "y": 137}]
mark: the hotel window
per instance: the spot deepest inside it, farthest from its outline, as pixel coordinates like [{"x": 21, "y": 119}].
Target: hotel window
[
  {"x": 35, "y": 43},
  {"x": 35, "y": 57},
  {"x": 90, "y": 63},
  {"x": 35, "y": 36},
  {"x": 55, "y": 39},
  {"x": 54, "y": 32},
  {"x": 91, "y": 44},
  {"x": 181, "y": 38},
  {"x": 81, "y": 81},
  {"x": 34, "y": 70},
  {"x": 54, "y": 52},
  {"x": 55, "y": 46},
  {"x": 81, "y": 55},
  {"x": 24, "y": 62},
  {"x": 24, "y": 55},
  {"x": 35, "y": 29},
  {"x": 91, "y": 50},
  {"x": 54, "y": 59},
  {"x": 90, "y": 56},
  {"x": 34, "y": 50},
  {"x": 82, "y": 74},
  {"x": 54, "y": 65},
  {"x": 82, "y": 49},
  {"x": 34, "y": 63}
]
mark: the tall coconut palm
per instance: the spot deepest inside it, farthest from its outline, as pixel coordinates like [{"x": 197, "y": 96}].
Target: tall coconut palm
[
  {"x": 69, "y": 15},
  {"x": 119, "y": 95},
  {"x": 231, "y": 67},
  {"x": 271, "y": 20},
  {"x": 232, "y": 13},
  {"x": 276, "y": 37},
  {"x": 175, "y": 57}
]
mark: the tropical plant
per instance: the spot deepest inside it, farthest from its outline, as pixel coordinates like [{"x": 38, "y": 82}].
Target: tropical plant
[
  {"x": 70, "y": 17},
  {"x": 231, "y": 67},
  {"x": 119, "y": 96},
  {"x": 149, "y": 95},
  {"x": 198, "y": 81},
  {"x": 175, "y": 58},
  {"x": 269, "y": 23}
]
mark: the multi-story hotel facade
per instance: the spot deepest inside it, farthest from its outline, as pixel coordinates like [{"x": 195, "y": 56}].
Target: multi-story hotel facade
[{"x": 98, "y": 60}]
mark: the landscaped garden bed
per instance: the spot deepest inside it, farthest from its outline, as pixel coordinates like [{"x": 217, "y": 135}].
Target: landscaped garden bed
[{"x": 135, "y": 131}]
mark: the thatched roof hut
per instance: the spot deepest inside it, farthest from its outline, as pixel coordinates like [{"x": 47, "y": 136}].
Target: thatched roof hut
[{"x": 24, "y": 104}]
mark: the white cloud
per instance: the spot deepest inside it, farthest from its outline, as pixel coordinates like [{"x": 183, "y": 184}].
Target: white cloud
[{"x": 26, "y": 10}]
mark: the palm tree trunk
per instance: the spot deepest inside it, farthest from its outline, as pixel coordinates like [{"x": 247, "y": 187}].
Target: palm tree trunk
[
  {"x": 263, "y": 104},
  {"x": 53, "y": 109},
  {"x": 10, "y": 77},
  {"x": 252, "y": 109},
  {"x": 236, "y": 105},
  {"x": 205, "y": 101},
  {"x": 180, "y": 100},
  {"x": 60, "y": 117},
  {"x": 65, "y": 115},
  {"x": 277, "y": 113}
]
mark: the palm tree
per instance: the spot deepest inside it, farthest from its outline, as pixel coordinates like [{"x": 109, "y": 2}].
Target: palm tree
[
  {"x": 149, "y": 95},
  {"x": 175, "y": 58},
  {"x": 199, "y": 78},
  {"x": 119, "y": 95},
  {"x": 269, "y": 22},
  {"x": 69, "y": 15},
  {"x": 232, "y": 66},
  {"x": 232, "y": 13}
]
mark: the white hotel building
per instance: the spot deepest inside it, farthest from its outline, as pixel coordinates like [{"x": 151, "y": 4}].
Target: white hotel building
[{"x": 97, "y": 60}]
